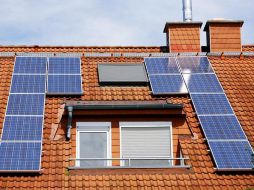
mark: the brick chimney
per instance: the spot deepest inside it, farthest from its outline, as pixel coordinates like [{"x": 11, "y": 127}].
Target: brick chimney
[
  {"x": 183, "y": 36},
  {"x": 223, "y": 35}
]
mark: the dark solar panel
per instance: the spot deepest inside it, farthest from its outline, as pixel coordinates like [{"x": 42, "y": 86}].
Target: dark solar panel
[
  {"x": 64, "y": 65},
  {"x": 206, "y": 83},
  {"x": 30, "y": 65},
  {"x": 167, "y": 84},
  {"x": 64, "y": 84},
  {"x": 28, "y": 84},
  {"x": 20, "y": 156},
  {"x": 25, "y": 104},
  {"x": 23, "y": 128},
  {"x": 161, "y": 66},
  {"x": 209, "y": 104},
  {"x": 194, "y": 65},
  {"x": 221, "y": 127},
  {"x": 232, "y": 154}
]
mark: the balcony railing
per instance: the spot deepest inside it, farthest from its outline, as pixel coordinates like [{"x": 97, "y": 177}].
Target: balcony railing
[{"x": 132, "y": 162}]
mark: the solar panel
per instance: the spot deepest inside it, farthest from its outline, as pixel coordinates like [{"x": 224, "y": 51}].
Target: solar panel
[
  {"x": 232, "y": 154},
  {"x": 25, "y": 104},
  {"x": 22, "y": 128},
  {"x": 209, "y": 104},
  {"x": 206, "y": 83},
  {"x": 20, "y": 156},
  {"x": 221, "y": 127},
  {"x": 194, "y": 65},
  {"x": 30, "y": 65},
  {"x": 64, "y": 84},
  {"x": 161, "y": 66},
  {"x": 28, "y": 84},
  {"x": 64, "y": 65},
  {"x": 167, "y": 84}
]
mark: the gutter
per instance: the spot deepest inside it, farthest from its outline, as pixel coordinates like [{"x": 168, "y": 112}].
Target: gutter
[{"x": 70, "y": 109}]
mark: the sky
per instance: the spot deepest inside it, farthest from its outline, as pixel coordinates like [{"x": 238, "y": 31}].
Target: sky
[{"x": 109, "y": 22}]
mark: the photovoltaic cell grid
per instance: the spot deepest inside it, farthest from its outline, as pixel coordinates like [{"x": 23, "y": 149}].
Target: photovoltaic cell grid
[
  {"x": 28, "y": 84},
  {"x": 64, "y": 84},
  {"x": 20, "y": 156},
  {"x": 194, "y": 65},
  {"x": 30, "y": 65},
  {"x": 21, "y": 138},
  {"x": 232, "y": 154},
  {"x": 166, "y": 84},
  {"x": 64, "y": 65},
  {"x": 164, "y": 76},
  {"x": 202, "y": 83},
  {"x": 229, "y": 145},
  {"x": 64, "y": 76},
  {"x": 22, "y": 128}
]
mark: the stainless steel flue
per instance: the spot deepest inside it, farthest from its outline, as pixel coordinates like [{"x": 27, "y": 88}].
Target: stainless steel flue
[{"x": 187, "y": 10}]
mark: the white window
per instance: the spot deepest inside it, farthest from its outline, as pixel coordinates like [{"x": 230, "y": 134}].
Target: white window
[
  {"x": 93, "y": 144},
  {"x": 146, "y": 144}
]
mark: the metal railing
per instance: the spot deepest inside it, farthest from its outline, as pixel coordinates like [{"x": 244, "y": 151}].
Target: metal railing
[{"x": 130, "y": 162}]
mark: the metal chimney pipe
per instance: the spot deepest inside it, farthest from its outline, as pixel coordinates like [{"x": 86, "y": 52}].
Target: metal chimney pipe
[{"x": 187, "y": 10}]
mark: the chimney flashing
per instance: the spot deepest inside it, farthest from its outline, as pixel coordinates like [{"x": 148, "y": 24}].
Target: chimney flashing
[{"x": 179, "y": 23}]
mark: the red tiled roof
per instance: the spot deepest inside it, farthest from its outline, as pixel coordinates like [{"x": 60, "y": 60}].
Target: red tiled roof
[
  {"x": 248, "y": 48},
  {"x": 236, "y": 76}
]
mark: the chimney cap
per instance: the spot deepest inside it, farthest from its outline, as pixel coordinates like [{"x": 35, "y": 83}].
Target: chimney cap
[
  {"x": 222, "y": 21},
  {"x": 180, "y": 23}
]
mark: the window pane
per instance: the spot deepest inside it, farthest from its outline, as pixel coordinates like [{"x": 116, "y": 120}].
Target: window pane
[{"x": 93, "y": 145}]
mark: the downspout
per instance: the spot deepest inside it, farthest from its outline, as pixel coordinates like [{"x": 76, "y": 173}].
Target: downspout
[{"x": 70, "y": 109}]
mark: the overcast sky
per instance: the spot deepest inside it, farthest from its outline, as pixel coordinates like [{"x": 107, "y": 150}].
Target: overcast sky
[{"x": 109, "y": 22}]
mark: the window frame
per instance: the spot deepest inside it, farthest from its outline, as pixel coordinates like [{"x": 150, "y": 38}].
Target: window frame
[
  {"x": 147, "y": 124},
  {"x": 89, "y": 126}
]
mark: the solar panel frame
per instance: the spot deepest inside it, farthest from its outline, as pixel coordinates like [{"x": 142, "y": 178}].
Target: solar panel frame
[
  {"x": 60, "y": 69},
  {"x": 24, "y": 81},
  {"x": 21, "y": 60},
  {"x": 202, "y": 83},
  {"x": 52, "y": 92},
  {"x": 159, "y": 80},
  {"x": 15, "y": 158},
  {"x": 183, "y": 66},
  {"x": 163, "y": 68},
  {"x": 212, "y": 104},
  {"x": 223, "y": 159},
  {"x": 19, "y": 128},
  {"x": 49, "y": 92},
  {"x": 15, "y": 101},
  {"x": 221, "y": 127}
]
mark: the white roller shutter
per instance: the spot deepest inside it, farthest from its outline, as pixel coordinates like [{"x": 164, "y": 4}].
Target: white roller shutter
[{"x": 139, "y": 140}]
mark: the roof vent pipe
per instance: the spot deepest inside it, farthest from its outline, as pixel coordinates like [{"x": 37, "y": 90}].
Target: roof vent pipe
[{"x": 187, "y": 10}]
